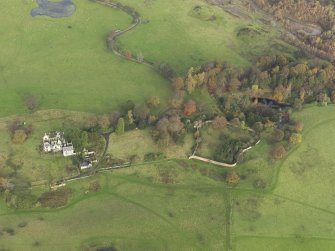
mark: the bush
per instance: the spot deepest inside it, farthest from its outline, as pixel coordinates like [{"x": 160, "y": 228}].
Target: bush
[
  {"x": 232, "y": 178},
  {"x": 277, "y": 135},
  {"x": 94, "y": 186},
  {"x": 9, "y": 230},
  {"x": 22, "y": 224},
  {"x": 299, "y": 127},
  {"x": 278, "y": 152},
  {"x": 154, "y": 156},
  {"x": 19, "y": 137},
  {"x": 219, "y": 122},
  {"x": 260, "y": 184},
  {"x": 258, "y": 127},
  {"x": 296, "y": 138}
]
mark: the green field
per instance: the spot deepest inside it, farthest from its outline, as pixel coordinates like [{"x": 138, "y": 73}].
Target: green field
[
  {"x": 297, "y": 211},
  {"x": 64, "y": 62},
  {"x": 129, "y": 213},
  {"x": 68, "y": 68},
  {"x": 179, "y": 204},
  {"x": 171, "y": 203},
  {"x": 174, "y": 34}
]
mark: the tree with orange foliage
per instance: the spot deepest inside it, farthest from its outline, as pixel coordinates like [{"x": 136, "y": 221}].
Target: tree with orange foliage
[
  {"x": 178, "y": 84},
  {"x": 189, "y": 108},
  {"x": 128, "y": 55}
]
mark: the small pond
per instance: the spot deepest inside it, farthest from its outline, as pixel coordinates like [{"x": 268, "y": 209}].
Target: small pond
[{"x": 54, "y": 9}]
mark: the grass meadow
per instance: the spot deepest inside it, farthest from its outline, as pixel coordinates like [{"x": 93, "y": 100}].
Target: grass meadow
[
  {"x": 169, "y": 204},
  {"x": 31, "y": 162},
  {"x": 177, "y": 204},
  {"x": 129, "y": 213},
  {"x": 297, "y": 212},
  {"x": 65, "y": 63},
  {"x": 171, "y": 33}
]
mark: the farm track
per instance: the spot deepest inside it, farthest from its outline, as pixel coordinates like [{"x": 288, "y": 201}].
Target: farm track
[
  {"x": 229, "y": 192},
  {"x": 136, "y": 22}
]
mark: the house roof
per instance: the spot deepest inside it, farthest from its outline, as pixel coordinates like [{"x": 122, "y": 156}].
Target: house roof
[{"x": 67, "y": 148}]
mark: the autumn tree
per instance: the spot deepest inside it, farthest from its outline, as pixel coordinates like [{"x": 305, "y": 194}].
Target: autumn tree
[
  {"x": 31, "y": 103},
  {"x": 140, "y": 57},
  {"x": 175, "y": 125},
  {"x": 19, "y": 136},
  {"x": 278, "y": 152},
  {"x": 295, "y": 138},
  {"x": 279, "y": 93},
  {"x": 178, "y": 84},
  {"x": 103, "y": 122},
  {"x": 299, "y": 127},
  {"x": 141, "y": 112},
  {"x": 219, "y": 122},
  {"x": 153, "y": 101},
  {"x": 323, "y": 99},
  {"x": 114, "y": 117},
  {"x": 277, "y": 135},
  {"x": 234, "y": 85},
  {"x": 232, "y": 178},
  {"x": 189, "y": 108},
  {"x": 297, "y": 104},
  {"x": 177, "y": 99},
  {"x": 190, "y": 82},
  {"x": 128, "y": 54},
  {"x": 130, "y": 117}
]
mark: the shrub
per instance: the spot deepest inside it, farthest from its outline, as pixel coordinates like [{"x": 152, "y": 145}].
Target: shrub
[
  {"x": 260, "y": 184},
  {"x": 296, "y": 138},
  {"x": 219, "y": 122},
  {"x": 299, "y": 127},
  {"x": 153, "y": 101},
  {"x": 19, "y": 137},
  {"x": 258, "y": 127},
  {"x": 189, "y": 108},
  {"x": 94, "y": 186},
  {"x": 278, "y": 152},
  {"x": 9, "y": 230},
  {"x": 154, "y": 156},
  {"x": 22, "y": 224},
  {"x": 31, "y": 103},
  {"x": 232, "y": 178},
  {"x": 277, "y": 135}
]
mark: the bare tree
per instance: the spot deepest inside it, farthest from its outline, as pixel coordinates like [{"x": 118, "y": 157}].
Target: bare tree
[{"x": 31, "y": 103}]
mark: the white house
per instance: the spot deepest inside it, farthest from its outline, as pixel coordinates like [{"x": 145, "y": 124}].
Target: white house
[
  {"x": 85, "y": 164},
  {"x": 55, "y": 142},
  {"x": 68, "y": 150}
]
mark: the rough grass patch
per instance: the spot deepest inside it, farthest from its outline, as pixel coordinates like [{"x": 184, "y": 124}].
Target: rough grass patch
[{"x": 54, "y": 199}]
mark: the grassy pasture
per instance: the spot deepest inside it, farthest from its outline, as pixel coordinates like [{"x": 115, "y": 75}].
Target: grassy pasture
[
  {"x": 287, "y": 244},
  {"x": 296, "y": 212},
  {"x": 130, "y": 213},
  {"x": 179, "y": 33},
  {"x": 313, "y": 162},
  {"x": 64, "y": 62},
  {"x": 33, "y": 164},
  {"x": 178, "y": 204},
  {"x": 140, "y": 142}
]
